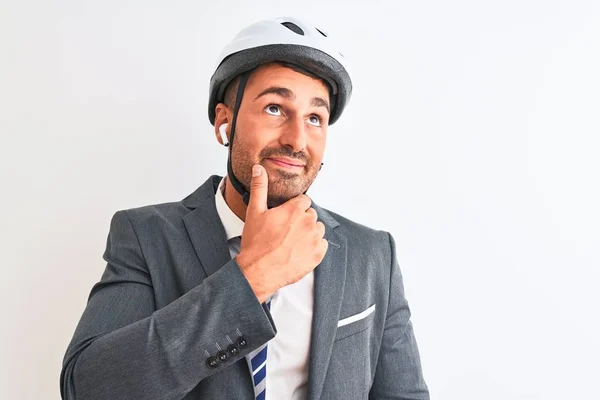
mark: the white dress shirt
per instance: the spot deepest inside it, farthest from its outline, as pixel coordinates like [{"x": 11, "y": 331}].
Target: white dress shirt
[{"x": 291, "y": 309}]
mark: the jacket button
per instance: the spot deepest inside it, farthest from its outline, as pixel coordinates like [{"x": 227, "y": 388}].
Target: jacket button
[
  {"x": 222, "y": 356},
  {"x": 242, "y": 342},
  {"x": 232, "y": 349},
  {"x": 212, "y": 362}
]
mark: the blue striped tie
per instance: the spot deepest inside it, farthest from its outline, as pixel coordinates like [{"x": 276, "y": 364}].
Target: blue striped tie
[{"x": 259, "y": 370}]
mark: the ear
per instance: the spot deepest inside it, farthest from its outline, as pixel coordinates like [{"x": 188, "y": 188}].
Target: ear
[{"x": 222, "y": 116}]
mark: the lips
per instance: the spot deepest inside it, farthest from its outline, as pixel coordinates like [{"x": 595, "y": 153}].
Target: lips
[{"x": 286, "y": 162}]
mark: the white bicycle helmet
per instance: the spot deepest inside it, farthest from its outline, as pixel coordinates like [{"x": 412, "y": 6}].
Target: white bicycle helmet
[{"x": 288, "y": 40}]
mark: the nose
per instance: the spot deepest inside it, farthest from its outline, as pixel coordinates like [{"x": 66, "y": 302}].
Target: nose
[{"x": 294, "y": 134}]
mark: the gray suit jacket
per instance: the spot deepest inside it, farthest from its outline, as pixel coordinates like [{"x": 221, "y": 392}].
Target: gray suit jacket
[{"x": 171, "y": 293}]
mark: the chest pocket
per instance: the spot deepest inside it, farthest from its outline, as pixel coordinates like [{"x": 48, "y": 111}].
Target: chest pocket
[{"x": 355, "y": 323}]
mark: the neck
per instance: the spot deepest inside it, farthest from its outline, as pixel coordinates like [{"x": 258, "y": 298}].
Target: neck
[{"x": 234, "y": 200}]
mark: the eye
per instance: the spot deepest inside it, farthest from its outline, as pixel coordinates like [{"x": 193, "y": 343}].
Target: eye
[
  {"x": 273, "y": 110},
  {"x": 315, "y": 120}
]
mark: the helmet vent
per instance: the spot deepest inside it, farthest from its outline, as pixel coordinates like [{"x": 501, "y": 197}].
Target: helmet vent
[
  {"x": 293, "y": 27},
  {"x": 321, "y": 32}
]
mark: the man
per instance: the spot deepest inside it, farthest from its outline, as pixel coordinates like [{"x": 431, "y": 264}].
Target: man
[{"x": 246, "y": 289}]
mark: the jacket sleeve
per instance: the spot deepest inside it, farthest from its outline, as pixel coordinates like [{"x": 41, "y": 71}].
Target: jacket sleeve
[
  {"x": 123, "y": 348},
  {"x": 398, "y": 374}
]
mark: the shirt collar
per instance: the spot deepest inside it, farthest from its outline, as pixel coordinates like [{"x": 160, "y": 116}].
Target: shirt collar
[{"x": 232, "y": 223}]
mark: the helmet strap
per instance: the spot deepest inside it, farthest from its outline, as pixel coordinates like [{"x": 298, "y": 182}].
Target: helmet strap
[{"x": 239, "y": 187}]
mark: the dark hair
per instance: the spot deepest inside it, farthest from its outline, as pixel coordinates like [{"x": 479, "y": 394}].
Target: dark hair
[{"x": 232, "y": 87}]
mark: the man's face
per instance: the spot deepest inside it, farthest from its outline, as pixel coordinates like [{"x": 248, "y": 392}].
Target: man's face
[{"x": 282, "y": 120}]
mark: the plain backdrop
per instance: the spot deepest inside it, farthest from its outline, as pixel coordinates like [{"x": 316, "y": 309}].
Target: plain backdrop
[{"x": 472, "y": 136}]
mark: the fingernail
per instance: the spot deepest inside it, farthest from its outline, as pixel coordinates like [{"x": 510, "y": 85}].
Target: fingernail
[{"x": 256, "y": 171}]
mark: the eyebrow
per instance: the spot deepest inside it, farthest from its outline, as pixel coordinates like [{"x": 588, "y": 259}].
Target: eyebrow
[
  {"x": 319, "y": 102},
  {"x": 289, "y": 95}
]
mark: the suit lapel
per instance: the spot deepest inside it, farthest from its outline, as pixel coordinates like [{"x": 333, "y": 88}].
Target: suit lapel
[
  {"x": 205, "y": 228},
  {"x": 330, "y": 278}
]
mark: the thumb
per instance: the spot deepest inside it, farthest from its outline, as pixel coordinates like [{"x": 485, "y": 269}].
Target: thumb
[{"x": 259, "y": 188}]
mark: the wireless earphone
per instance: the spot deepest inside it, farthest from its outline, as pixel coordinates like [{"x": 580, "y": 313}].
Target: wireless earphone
[{"x": 222, "y": 131}]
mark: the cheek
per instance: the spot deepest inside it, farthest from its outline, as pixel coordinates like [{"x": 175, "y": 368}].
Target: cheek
[
  {"x": 247, "y": 147},
  {"x": 317, "y": 147},
  {"x": 247, "y": 137},
  {"x": 259, "y": 132}
]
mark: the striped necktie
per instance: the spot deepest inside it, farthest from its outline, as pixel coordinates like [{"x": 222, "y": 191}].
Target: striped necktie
[{"x": 259, "y": 369}]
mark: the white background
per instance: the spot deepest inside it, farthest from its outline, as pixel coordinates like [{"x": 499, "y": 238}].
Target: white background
[{"x": 472, "y": 136}]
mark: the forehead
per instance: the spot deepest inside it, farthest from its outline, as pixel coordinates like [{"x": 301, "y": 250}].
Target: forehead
[{"x": 275, "y": 75}]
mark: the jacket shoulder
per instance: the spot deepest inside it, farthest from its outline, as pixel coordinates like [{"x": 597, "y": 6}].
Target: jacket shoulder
[
  {"x": 169, "y": 213},
  {"x": 358, "y": 231}
]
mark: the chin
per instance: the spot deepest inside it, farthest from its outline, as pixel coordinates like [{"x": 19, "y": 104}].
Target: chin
[
  {"x": 280, "y": 197},
  {"x": 284, "y": 175}
]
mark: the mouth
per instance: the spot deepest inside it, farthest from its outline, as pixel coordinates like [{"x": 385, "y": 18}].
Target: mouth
[{"x": 285, "y": 163}]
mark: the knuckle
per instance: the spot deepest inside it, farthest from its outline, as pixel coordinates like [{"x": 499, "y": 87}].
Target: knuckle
[
  {"x": 304, "y": 201},
  {"x": 308, "y": 202},
  {"x": 321, "y": 228},
  {"x": 292, "y": 204},
  {"x": 302, "y": 204},
  {"x": 317, "y": 241},
  {"x": 308, "y": 222},
  {"x": 296, "y": 211}
]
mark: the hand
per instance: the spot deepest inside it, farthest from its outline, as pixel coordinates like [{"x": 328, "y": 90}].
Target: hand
[{"x": 279, "y": 245}]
